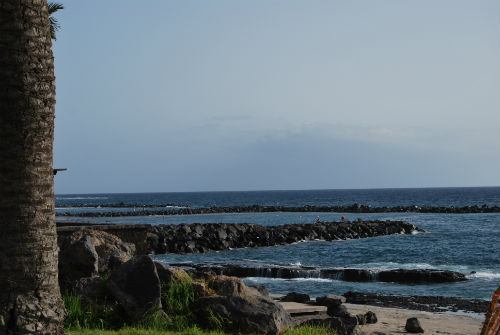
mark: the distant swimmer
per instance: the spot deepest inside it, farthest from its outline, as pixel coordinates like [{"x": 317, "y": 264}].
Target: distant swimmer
[
  {"x": 318, "y": 221},
  {"x": 343, "y": 218}
]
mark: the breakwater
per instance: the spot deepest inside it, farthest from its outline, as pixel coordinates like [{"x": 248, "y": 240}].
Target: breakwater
[
  {"x": 355, "y": 208},
  {"x": 199, "y": 238}
]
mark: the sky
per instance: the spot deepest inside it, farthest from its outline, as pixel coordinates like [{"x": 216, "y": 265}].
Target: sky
[{"x": 179, "y": 96}]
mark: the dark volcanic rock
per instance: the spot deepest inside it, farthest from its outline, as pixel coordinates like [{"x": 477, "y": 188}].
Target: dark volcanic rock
[
  {"x": 370, "y": 317},
  {"x": 257, "y": 315},
  {"x": 334, "y": 300},
  {"x": 87, "y": 253},
  {"x": 135, "y": 284},
  {"x": 355, "y": 208},
  {"x": 338, "y": 310},
  {"x": 275, "y": 270},
  {"x": 296, "y": 297},
  {"x": 420, "y": 303},
  {"x": 413, "y": 326},
  {"x": 413, "y": 276},
  {"x": 77, "y": 259},
  {"x": 198, "y": 238}
]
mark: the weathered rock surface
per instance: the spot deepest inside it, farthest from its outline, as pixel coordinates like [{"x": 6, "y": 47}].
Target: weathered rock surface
[
  {"x": 87, "y": 253},
  {"x": 421, "y": 303},
  {"x": 224, "y": 285},
  {"x": 413, "y": 326},
  {"x": 330, "y": 299},
  {"x": 297, "y": 297},
  {"x": 135, "y": 284},
  {"x": 199, "y": 238},
  {"x": 415, "y": 276},
  {"x": 258, "y": 315},
  {"x": 168, "y": 275},
  {"x": 77, "y": 258}
]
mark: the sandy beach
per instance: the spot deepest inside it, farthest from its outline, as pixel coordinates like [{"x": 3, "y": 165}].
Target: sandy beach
[{"x": 392, "y": 321}]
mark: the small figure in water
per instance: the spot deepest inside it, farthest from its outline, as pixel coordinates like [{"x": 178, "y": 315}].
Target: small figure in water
[
  {"x": 318, "y": 220},
  {"x": 343, "y": 218}
]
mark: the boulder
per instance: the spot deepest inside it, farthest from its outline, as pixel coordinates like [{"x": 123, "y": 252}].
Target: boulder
[
  {"x": 330, "y": 299},
  {"x": 112, "y": 251},
  {"x": 338, "y": 310},
  {"x": 296, "y": 297},
  {"x": 261, "y": 289},
  {"x": 225, "y": 285},
  {"x": 135, "y": 284},
  {"x": 413, "y": 326},
  {"x": 87, "y": 253},
  {"x": 168, "y": 275},
  {"x": 77, "y": 258},
  {"x": 413, "y": 276},
  {"x": 370, "y": 317},
  {"x": 258, "y": 315}
]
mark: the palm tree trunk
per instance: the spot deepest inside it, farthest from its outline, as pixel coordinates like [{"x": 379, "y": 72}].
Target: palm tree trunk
[{"x": 30, "y": 299}]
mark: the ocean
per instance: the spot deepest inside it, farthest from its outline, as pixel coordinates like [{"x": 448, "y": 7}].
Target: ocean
[{"x": 467, "y": 243}]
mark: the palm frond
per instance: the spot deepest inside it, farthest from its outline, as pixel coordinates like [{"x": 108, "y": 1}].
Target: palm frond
[
  {"x": 54, "y": 25},
  {"x": 54, "y": 7}
]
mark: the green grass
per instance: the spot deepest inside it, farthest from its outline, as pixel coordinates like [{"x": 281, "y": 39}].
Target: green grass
[
  {"x": 302, "y": 330},
  {"x": 176, "y": 317},
  {"x": 138, "y": 331},
  {"x": 81, "y": 315}
]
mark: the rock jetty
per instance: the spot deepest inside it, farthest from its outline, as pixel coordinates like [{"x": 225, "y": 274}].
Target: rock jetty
[
  {"x": 355, "y": 208},
  {"x": 200, "y": 238}
]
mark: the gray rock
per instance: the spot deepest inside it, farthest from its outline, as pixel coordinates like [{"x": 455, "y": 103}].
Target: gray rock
[
  {"x": 338, "y": 310},
  {"x": 330, "y": 300},
  {"x": 370, "y": 317},
  {"x": 77, "y": 258},
  {"x": 413, "y": 326},
  {"x": 135, "y": 284},
  {"x": 257, "y": 315},
  {"x": 87, "y": 253},
  {"x": 225, "y": 285},
  {"x": 261, "y": 288},
  {"x": 169, "y": 275},
  {"x": 296, "y": 297}
]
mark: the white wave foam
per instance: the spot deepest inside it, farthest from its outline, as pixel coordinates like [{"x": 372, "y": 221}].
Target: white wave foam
[
  {"x": 264, "y": 280},
  {"x": 485, "y": 274},
  {"x": 395, "y": 265},
  {"x": 319, "y": 280}
]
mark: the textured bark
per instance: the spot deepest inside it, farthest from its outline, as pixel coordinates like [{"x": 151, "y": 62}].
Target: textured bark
[{"x": 30, "y": 299}]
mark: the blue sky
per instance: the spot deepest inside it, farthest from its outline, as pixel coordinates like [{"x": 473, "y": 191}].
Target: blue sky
[{"x": 159, "y": 96}]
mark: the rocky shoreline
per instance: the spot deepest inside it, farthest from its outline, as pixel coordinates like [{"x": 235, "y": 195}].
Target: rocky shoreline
[
  {"x": 200, "y": 238},
  {"x": 401, "y": 276},
  {"x": 419, "y": 303},
  {"x": 355, "y": 208},
  {"x": 105, "y": 273}
]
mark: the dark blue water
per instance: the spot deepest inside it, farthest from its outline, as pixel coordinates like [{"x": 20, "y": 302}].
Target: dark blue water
[{"x": 459, "y": 242}]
